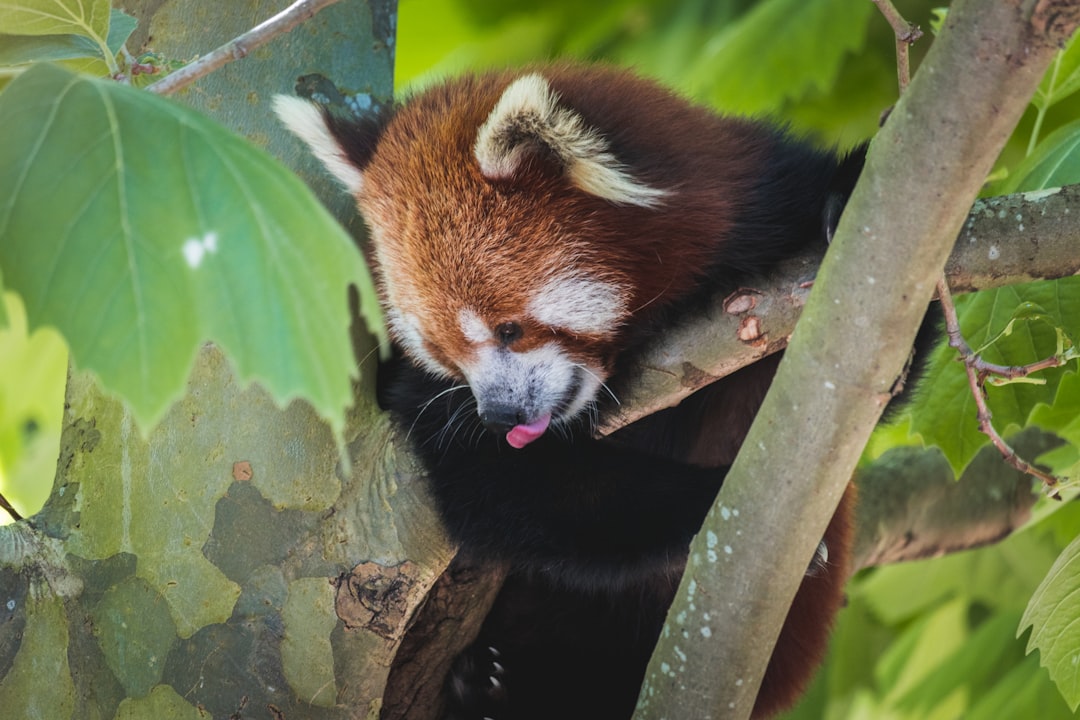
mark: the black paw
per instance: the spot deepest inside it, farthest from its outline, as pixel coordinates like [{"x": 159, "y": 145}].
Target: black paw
[{"x": 476, "y": 686}]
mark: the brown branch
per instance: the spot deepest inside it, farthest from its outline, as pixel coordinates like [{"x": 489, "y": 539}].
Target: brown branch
[
  {"x": 977, "y": 371},
  {"x": 907, "y": 34},
  {"x": 239, "y": 47},
  {"x": 9, "y": 508}
]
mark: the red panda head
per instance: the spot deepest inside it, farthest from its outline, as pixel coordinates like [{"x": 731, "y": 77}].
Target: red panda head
[{"x": 512, "y": 243}]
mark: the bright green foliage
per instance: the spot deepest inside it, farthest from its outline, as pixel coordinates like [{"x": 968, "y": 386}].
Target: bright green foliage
[
  {"x": 1052, "y": 617},
  {"x": 1062, "y": 79},
  {"x": 945, "y": 413},
  {"x": 33, "y": 368},
  {"x": 56, "y": 17},
  {"x": 1043, "y": 319},
  {"x": 738, "y": 56},
  {"x": 141, "y": 229},
  {"x": 936, "y": 638},
  {"x": 16, "y": 49},
  {"x": 826, "y": 30},
  {"x": 43, "y": 30},
  {"x": 1054, "y": 162}
]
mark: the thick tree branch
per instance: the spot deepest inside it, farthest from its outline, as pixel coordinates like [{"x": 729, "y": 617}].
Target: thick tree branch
[
  {"x": 910, "y": 506},
  {"x": 1006, "y": 240},
  {"x": 923, "y": 173}
]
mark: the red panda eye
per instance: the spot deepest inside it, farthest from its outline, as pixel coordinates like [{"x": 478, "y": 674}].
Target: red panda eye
[{"x": 508, "y": 332}]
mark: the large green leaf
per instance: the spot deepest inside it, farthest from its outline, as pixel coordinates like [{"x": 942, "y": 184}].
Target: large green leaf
[
  {"x": 19, "y": 49},
  {"x": 55, "y": 17},
  {"x": 141, "y": 229},
  {"x": 1052, "y": 615}
]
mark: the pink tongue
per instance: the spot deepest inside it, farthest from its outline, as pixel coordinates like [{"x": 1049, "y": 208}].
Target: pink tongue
[{"x": 522, "y": 435}]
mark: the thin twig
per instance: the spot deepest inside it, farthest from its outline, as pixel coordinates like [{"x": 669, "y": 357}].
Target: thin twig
[
  {"x": 15, "y": 515},
  {"x": 906, "y": 36},
  {"x": 239, "y": 47},
  {"x": 977, "y": 372}
]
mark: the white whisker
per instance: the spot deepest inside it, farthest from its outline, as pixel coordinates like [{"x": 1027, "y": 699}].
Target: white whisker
[
  {"x": 603, "y": 384},
  {"x": 426, "y": 405}
]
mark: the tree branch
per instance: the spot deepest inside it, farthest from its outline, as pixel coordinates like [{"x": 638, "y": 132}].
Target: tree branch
[
  {"x": 923, "y": 173},
  {"x": 1006, "y": 240}
]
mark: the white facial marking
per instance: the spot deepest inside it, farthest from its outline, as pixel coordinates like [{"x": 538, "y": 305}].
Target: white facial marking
[
  {"x": 579, "y": 304},
  {"x": 405, "y": 328},
  {"x": 306, "y": 121},
  {"x": 473, "y": 327},
  {"x": 538, "y": 381},
  {"x": 528, "y": 114},
  {"x": 195, "y": 249}
]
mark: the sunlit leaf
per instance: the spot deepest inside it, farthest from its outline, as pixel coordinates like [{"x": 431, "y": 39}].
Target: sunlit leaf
[
  {"x": 55, "y": 17},
  {"x": 21, "y": 49},
  {"x": 1062, "y": 78},
  {"x": 141, "y": 229},
  {"x": 1055, "y": 162},
  {"x": 1052, "y": 614}
]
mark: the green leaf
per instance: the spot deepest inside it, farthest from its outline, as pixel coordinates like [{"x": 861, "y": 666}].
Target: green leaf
[
  {"x": 55, "y": 17},
  {"x": 22, "y": 49},
  {"x": 33, "y": 368},
  {"x": 1062, "y": 78},
  {"x": 141, "y": 229},
  {"x": 1061, "y": 417},
  {"x": 974, "y": 664},
  {"x": 1022, "y": 693},
  {"x": 944, "y": 413},
  {"x": 1052, "y": 615},
  {"x": 1055, "y": 162},
  {"x": 922, "y": 649},
  {"x": 121, "y": 25},
  {"x": 734, "y": 74}
]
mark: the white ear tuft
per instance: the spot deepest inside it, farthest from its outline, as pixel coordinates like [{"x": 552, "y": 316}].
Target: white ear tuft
[
  {"x": 528, "y": 118},
  {"x": 308, "y": 122}
]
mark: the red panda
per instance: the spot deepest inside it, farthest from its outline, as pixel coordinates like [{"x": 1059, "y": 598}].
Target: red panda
[{"x": 530, "y": 229}]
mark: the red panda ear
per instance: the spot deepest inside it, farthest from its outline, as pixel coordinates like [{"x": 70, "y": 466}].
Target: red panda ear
[
  {"x": 344, "y": 146},
  {"x": 528, "y": 119}
]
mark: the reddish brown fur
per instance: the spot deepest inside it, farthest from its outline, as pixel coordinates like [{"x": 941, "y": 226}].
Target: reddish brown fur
[{"x": 426, "y": 155}]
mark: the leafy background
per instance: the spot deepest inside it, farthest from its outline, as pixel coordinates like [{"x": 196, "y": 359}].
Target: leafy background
[{"x": 932, "y": 639}]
